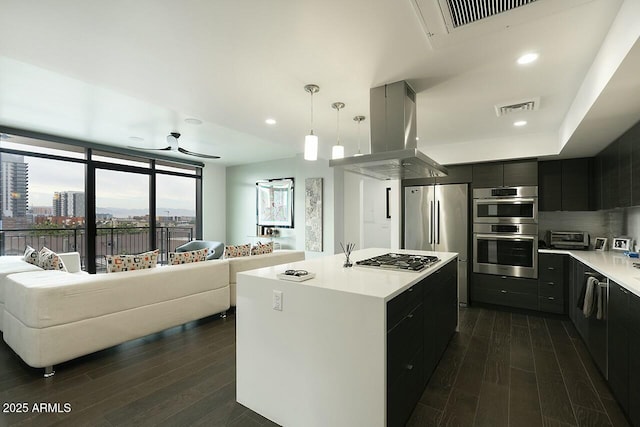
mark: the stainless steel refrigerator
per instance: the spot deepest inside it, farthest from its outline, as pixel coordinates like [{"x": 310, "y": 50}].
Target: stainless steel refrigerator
[{"x": 436, "y": 219}]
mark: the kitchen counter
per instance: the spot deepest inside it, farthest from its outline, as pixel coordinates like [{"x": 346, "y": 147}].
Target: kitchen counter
[
  {"x": 611, "y": 264},
  {"x": 365, "y": 281},
  {"x": 322, "y": 359}
]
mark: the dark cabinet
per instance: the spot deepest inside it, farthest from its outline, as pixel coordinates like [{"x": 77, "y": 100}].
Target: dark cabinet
[
  {"x": 520, "y": 173},
  {"x": 624, "y": 172},
  {"x": 634, "y": 360},
  {"x": 610, "y": 189},
  {"x": 619, "y": 344},
  {"x": 552, "y": 282},
  {"x": 592, "y": 330},
  {"x": 420, "y": 323},
  {"x": 505, "y": 290},
  {"x": 505, "y": 174},
  {"x": 566, "y": 185},
  {"x": 635, "y": 165},
  {"x": 488, "y": 175},
  {"x": 549, "y": 186}
]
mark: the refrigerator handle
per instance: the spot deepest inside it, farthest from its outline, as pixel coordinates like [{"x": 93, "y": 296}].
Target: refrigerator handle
[
  {"x": 431, "y": 225},
  {"x": 438, "y": 223}
]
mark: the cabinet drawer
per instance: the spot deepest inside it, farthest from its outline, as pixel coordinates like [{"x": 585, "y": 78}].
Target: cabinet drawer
[
  {"x": 403, "y": 393},
  {"x": 509, "y": 284},
  {"x": 403, "y": 341},
  {"x": 551, "y": 267},
  {"x": 507, "y": 298},
  {"x": 550, "y": 289},
  {"x": 403, "y": 304},
  {"x": 551, "y": 304}
]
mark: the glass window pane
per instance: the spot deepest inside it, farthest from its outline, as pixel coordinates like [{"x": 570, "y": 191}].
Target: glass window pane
[
  {"x": 42, "y": 204},
  {"x": 39, "y": 146},
  {"x": 175, "y": 212},
  {"x": 122, "y": 214},
  {"x": 120, "y": 159},
  {"x": 174, "y": 167}
]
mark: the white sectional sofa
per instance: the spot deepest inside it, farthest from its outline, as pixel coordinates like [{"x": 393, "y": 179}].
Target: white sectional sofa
[
  {"x": 16, "y": 264},
  {"x": 51, "y": 316}
]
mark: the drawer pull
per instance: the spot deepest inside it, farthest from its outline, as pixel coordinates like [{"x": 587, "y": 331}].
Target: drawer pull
[
  {"x": 551, "y": 283},
  {"x": 503, "y": 291},
  {"x": 551, "y": 298},
  {"x": 410, "y": 316},
  {"x": 551, "y": 268},
  {"x": 409, "y": 367},
  {"x": 503, "y": 277},
  {"x": 410, "y": 290}
]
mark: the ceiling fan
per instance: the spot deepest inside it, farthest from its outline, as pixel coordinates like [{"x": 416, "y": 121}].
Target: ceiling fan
[{"x": 172, "y": 140}]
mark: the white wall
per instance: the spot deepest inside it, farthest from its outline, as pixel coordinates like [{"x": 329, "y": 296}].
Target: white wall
[
  {"x": 241, "y": 200},
  {"x": 214, "y": 212}
]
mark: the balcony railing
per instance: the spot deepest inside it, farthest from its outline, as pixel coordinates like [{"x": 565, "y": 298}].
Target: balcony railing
[{"x": 109, "y": 241}]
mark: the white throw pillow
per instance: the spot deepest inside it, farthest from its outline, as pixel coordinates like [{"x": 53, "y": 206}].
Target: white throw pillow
[
  {"x": 187, "y": 257},
  {"x": 49, "y": 260},
  {"x": 31, "y": 256}
]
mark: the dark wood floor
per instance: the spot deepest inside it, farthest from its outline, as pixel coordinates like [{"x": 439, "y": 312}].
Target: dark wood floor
[
  {"x": 506, "y": 369},
  {"x": 501, "y": 369}
]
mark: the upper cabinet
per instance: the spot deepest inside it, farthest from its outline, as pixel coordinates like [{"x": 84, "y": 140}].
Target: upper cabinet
[
  {"x": 566, "y": 185},
  {"x": 617, "y": 175},
  {"x": 505, "y": 174}
]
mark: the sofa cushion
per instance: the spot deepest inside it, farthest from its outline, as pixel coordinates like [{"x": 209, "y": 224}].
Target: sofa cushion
[
  {"x": 118, "y": 263},
  {"x": 262, "y": 248},
  {"x": 237, "y": 251},
  {"x": 187, "y": 257},
  {"x": 49, "y": 260},
  {"x": 48, "y": 298},
  {"x": 31, "y": 255}
]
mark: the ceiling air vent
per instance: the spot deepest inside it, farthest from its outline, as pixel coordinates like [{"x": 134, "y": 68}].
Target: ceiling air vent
[
  {"x": 463, "y": 12},
  {"x": 516, "y": 107}
]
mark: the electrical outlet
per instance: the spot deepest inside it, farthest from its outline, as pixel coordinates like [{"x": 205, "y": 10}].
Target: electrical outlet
[{"x": 277, "y": 300}]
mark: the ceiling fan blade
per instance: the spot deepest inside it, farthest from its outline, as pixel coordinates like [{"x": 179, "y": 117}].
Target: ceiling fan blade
[
  {"x": 191, "y": 153},
  {"x": 150, "y": 149}
]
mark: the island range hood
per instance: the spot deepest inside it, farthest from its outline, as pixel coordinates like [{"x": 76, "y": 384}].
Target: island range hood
[{"x": 394, "y": 152}]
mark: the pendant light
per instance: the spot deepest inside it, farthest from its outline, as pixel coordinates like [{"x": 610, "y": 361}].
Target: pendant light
[
  {"x": 358, "y": 119},
  {"x": 311, "y": 140},
  {"x": 337, "y": 151}
]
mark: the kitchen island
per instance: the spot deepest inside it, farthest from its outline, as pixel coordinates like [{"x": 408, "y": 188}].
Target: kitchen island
[{"x": 350, "y": 347}]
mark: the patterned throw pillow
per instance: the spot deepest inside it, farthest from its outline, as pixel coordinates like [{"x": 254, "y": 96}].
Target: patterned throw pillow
[
  {"x": 31, "y": 255},
  {"x": 117, "y": 263},
  {"x": 261, "y": 249},
  {"x": 187, "y": 257},
  {"x": 237, "y": 251},
  {"x": 49, "y": 260}
]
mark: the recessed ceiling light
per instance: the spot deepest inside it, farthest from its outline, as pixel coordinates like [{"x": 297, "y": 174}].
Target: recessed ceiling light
[
  {"x": 270, "y": 121},
  {"x": 527, "y": 58},
  {"x": 193, "y": 121},
  {"x": 417, "y": 138},
  {"x": 136, "y": 138},
  {"x": 520, "y": 123}
]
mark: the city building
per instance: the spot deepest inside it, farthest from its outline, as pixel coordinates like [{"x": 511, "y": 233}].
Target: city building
[
  {"x": 68, "y": 203},
  {"x": 14, "y": 184}
]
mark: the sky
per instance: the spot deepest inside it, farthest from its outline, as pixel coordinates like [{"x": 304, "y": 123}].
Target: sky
[{"x": 114, "y": 189}]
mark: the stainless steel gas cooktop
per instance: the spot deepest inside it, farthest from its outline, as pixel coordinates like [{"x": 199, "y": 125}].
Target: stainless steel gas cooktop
[{"x": 405, "y": 262}]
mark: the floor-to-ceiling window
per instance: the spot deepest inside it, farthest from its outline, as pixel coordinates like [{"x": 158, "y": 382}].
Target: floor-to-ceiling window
[{"x": 50, "y": 190}]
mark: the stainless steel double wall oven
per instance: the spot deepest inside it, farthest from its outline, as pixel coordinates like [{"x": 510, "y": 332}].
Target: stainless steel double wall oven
[{"x": 505, "y": 231}]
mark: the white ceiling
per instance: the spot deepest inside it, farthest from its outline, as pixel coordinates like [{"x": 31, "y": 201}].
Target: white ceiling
[{"x": 106, "y": 71}]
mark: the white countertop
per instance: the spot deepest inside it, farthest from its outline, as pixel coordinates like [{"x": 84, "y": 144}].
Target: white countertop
[
  {"x": 611, "y": 264},
  {"x": 366, "y": 281}
]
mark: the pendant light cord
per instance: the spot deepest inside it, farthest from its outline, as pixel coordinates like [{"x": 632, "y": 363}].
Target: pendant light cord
[
  {"x": 311, "y": 112},
  {"x": 338, "y": 125}
]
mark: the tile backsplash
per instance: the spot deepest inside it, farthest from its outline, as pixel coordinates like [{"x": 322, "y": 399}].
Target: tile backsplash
[{"x": 609, "y": 223}]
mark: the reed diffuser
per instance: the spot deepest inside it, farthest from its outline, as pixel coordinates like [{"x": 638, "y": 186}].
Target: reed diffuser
[{"x": 347, "y": 253}]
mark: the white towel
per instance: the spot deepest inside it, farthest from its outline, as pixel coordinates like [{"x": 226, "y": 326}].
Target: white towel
[{"x": 590, "y": 294}]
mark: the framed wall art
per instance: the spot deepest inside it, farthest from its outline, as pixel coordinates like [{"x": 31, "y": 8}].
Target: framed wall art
[{"x": 274, "y": 203}]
